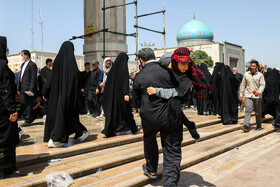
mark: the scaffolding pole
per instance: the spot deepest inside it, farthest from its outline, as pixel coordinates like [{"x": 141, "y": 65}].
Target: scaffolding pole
[
  {"x": 136, "y": 38},
  {"x": 136, "y": 26},
  {"x": 164, "y": 36},
  {"x": 103, "y": 56}
]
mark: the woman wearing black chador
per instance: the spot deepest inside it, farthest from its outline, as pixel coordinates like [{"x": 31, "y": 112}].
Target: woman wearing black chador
[
  {"x": 116, "y": 103},
  {"x": 9, "y": 137},
  {"x": 62, "y": 90}
]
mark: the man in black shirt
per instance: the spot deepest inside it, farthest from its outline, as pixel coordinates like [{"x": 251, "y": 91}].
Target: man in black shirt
[
  {"x": 46, "y": 71},
  {"x": 86, "y": 84},
  {"x": 95, "y": 75},
  {"x": 154, "y": 116},
  {"x": 45, "y": 75}
]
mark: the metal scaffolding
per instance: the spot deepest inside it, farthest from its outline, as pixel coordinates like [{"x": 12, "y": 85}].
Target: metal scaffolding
[{"x": 136, "y": 26}]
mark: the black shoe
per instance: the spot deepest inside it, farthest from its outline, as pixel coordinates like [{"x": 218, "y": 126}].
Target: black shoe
[
  {"x": 15, "y": 174},
  {"x": 148, "y": 173},
  {"x": 259, "y": 129},
  {"x": 139, "y": 127},
  {"x": 245, "y": 128},
  {"x": 192, "y": 129}
]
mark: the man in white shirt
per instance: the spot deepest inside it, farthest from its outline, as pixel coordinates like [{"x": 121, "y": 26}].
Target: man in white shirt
[
  {"x": 252, "y": 87},
  {"x": 27, "y": 85}
]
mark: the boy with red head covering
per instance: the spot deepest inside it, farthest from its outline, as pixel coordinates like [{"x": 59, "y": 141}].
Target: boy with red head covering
[{"x": 186, "y": 72}]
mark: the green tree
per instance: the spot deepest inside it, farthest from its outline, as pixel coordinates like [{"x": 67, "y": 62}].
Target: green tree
[{"x": 200, "y": 56}]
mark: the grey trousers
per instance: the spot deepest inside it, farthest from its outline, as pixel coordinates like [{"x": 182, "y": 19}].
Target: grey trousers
[{"x": 251, "y": 104}]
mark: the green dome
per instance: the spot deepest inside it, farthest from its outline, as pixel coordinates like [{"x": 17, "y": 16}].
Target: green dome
[
  {"x": 193, "y": 31},
  {"x": 30, "y": 49}
]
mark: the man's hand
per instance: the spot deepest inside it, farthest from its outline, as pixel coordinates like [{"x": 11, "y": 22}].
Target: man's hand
[
  {"x": 106, "y": 71},
  {"x": 83, "y": 90},
  {"x": 240, "y": 98},
  {"x": 44, "y": 98},
  {"x": 257, "y": 94},
  {"x": 126, "y": 98},
  {"x": 151, "y": 90},
  {"x": 97, "y": 91},
  {"x": 102, "y": 85},
  {"x": 30, "y": 93},
  {"x": 13, "y": 117},
  {"x": 134, "y": 74}
]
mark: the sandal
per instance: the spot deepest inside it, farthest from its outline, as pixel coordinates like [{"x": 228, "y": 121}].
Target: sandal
[
  {"x": 100, "y": 117},
  {"x": 147, "y": 173}
]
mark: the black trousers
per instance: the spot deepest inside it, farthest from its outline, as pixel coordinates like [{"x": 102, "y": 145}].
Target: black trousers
[
  {"x": 186, "y": 121},
  {"x": 88, "y": 100},
  {"x": 277, "y": 119},
  {"x": 46, "y": 107},
  {"x": 96, "y": 102},
  {"x": 7, "y": 160},
  {"x": 171, "y": 145},
  {"x": 26, "y": 103}
]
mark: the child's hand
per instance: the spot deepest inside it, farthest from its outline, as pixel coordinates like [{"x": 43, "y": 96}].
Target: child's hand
[{"x": 151, "y": 90}]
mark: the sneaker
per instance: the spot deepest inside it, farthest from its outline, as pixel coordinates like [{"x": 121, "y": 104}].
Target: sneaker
[
  {"x": 20, "y": 133},
  {"x": 245, "y": 128},
  {"x": 25, "y": 124},
  {"x": 84, "y": 136},
  {"x": 259, "y": 129},
  {"x": 101, "y": 117},
  {"x": 52, "y": 144},
  {"x": 148, "y": 173}
]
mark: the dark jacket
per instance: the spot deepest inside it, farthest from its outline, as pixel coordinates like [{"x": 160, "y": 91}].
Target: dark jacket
[
  {"x": 153, "y": 109},
  {"x": 45, "y": 74},
  {"x": 86, "y": 80},
  {"x": 29, "y": 79},
  {"x": 95, "y": 75}
]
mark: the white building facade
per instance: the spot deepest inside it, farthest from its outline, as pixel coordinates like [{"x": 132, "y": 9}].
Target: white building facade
[
  {"x": 39, "y": 58},
  {"x": 197, "y": 36}
]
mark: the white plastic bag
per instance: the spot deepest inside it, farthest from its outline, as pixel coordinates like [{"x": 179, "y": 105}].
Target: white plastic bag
[{"x": 59, "y": 179}]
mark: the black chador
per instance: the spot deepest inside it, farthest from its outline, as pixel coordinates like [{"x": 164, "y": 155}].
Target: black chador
[
  {"x": 227, "y": 87},
  {"x": 118, "y": 112},
  {"x": 216, "y": 104},
  {"x": 270, "y": 100},
  {"x": 8, "y": 130},
  {"x": 63, "y": 93}
]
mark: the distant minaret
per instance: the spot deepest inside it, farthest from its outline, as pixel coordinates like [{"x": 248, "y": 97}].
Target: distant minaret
[
  {"x": 42, "y": 28},
  {"x": 32, "y": 31}
]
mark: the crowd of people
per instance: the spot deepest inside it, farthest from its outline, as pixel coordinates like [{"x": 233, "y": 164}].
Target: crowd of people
[{"x": 160, "y": 90}]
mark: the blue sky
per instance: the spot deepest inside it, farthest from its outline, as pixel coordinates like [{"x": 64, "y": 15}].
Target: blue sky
[{"x": 253, "y": 24}]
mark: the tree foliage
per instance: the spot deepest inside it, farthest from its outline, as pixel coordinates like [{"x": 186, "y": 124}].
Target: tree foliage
[{"x": 200, "y": 56}]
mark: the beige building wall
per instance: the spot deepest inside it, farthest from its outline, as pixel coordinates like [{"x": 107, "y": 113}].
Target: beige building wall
[
  {"x": 231, "y": 54},
  {"x": 39, "y": 58},
  {"x": 115, "y": 20}
]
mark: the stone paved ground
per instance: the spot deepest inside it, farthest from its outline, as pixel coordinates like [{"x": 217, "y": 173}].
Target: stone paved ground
[
  {"x": 254, "y": 164},
  {"x": 35, "y": 133}
]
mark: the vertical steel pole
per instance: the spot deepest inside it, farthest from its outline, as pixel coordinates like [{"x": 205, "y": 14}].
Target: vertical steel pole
[
  {"x": 103, "y": 29},
  {"x": 136, "y": 32},
  {"x": 164, "y": 28}
]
